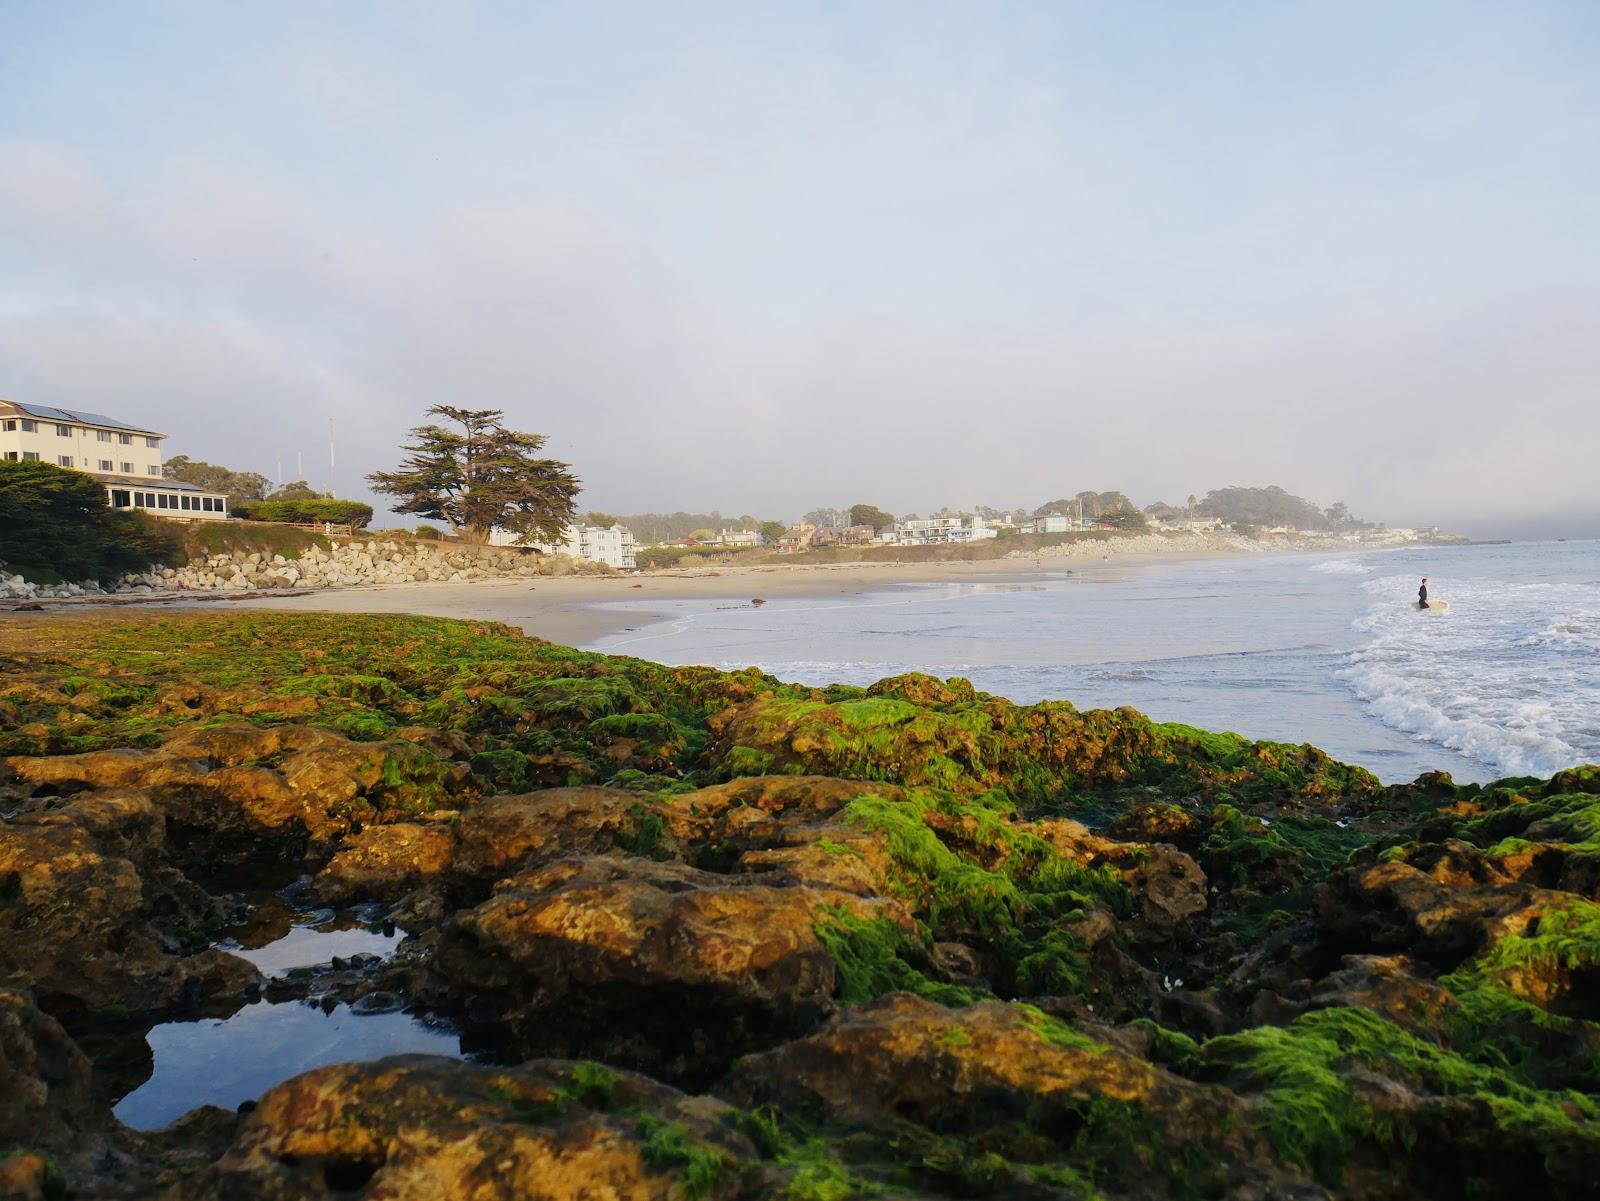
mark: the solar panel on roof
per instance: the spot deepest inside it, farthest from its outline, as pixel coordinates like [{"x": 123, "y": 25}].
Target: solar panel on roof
[{"x": 82, "y": 418}]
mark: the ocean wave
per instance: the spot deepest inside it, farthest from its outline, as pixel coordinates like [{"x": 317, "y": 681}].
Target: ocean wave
[
  {"x": 1504, "y": 678},
  {"x": 1519, "y": 739},
  {"x": 1342, "y": 567},
  {"x": 1576, "y": 631}
]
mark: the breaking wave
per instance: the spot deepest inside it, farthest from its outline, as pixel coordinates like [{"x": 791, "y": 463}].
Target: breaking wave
[{"x": 1497, "y": 678}]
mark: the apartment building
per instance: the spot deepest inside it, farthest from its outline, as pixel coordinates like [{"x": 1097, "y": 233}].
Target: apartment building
[{"x": 125, "y": 459}]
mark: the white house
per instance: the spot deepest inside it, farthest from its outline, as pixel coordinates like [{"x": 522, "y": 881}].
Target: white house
[
  {"x": 931, "y": 530},
  {"x": 738, "y": 538},
  {"x": 125, "y": 458}
]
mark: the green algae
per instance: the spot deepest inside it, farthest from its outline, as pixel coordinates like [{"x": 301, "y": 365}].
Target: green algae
[
  {"x": 874, "y": 957},
  {"x": 1309, "y": 1109},
  {"x": 1017, "y": 907},
  {"x": 959, "y": 857},
  {"x": 671, "y": 1147}
]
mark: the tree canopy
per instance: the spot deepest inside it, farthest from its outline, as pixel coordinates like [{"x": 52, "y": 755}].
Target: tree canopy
[
  {"x": 240, "y": 486},
  {"x": 826, "y": 519},
  {"x": 870, "y": 515},
  {"x": 1272, "y": 506},
  {"x": 298, "y": 490},
  {"x": 481, "y": 478},
  {"x": 57, "y": 520},
  {"x": 1123, "y": 516},
  {"x": 771, "y": 531}
]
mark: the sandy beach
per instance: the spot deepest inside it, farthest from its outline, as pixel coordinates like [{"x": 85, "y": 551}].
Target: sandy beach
[{"x": 570, "y": 609}]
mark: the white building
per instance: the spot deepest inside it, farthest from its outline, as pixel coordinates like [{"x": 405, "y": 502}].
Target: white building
[
  {"x": 738, "y": 538},
  {"x": 608, "y": 544},
  {"x": 613, "y": 545},
  {"x": 125, "y": 458},
  {"x": 931, "y": 530}
]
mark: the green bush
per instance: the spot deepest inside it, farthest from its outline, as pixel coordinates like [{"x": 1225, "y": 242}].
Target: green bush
[
  {"x": 429, "y": 533},
  {"x": 53, "y": 519},
  {"x": 341, "y": 512}
]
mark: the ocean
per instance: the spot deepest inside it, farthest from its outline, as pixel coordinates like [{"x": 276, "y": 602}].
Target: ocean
[{"x": 1322, "y": 648}]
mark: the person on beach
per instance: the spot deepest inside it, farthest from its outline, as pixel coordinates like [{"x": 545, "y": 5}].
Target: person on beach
[{"x": 1422, "y": 594}]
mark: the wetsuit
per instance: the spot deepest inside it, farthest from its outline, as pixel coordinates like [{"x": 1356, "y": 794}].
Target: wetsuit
[{"x": 1422, "y": 597}]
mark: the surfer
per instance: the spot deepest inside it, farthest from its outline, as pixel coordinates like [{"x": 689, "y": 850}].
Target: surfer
[{"x": 1422, "y": 594}]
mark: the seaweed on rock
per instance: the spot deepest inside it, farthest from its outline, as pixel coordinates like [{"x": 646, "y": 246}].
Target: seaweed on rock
[{"x": 905, "y": 940}]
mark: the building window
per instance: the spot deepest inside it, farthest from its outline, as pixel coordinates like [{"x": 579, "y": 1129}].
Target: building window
[
  {"x": 11, "y": 456},
  {"x": 64, "y": 460},
  {"x": 119, "y": 498},
  {"x": 10, "y": 425},
  {"x": 29, "y": 427},
  {"x": 103, "y": 435},
  {"x": 63, "y": 431},
  {"x": 152, "y": 443},
  {"x": 125, "y": 439},
  {"x": 156, "y": 471},
  {"x": 30, "y": 456},
  {"x": 127, "y": 469},
  {"x": 105, "y": 464}
]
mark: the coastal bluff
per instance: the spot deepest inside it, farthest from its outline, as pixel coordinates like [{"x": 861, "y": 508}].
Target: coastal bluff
[{"x": 709, "y": 935}]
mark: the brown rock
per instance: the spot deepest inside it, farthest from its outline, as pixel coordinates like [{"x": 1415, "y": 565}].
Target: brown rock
[
  {"x": 384, "y": 863},
  {"x": 72, "y": 917},
  {"x": 499, "y": 835},
  {"x": 652, "y": 964},
  {"x": 45, "y": 1102},
  {"x": 417, "y": 1127}
]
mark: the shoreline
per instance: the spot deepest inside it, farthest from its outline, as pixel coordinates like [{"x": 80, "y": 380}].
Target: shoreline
[{"x": 569, "y": 609}]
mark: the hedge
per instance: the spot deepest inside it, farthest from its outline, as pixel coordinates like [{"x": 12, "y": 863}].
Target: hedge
[{"x": 340, "y": 512}]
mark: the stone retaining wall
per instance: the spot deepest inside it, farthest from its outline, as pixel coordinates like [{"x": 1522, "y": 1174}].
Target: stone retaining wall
[{"x": 346, "y": 563}]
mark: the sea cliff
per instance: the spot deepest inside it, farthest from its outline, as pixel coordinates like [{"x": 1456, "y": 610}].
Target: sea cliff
[{"x": 711, "y": 935}]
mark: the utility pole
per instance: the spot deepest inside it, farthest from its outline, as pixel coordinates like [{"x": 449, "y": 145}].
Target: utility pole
[{"x": 333, "y": 488}]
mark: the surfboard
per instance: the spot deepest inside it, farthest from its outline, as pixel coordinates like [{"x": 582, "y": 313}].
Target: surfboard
[{"x": 1436, "y": 606}]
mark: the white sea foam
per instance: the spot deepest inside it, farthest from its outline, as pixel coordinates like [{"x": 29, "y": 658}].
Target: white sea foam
[
  {"x": 1496, "y": 678},
  {"x": 1342, "y": 567},
  {"x": 1576, "y": 631}
]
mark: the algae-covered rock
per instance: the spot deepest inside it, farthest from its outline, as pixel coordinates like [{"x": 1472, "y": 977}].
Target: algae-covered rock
[
  {"x": 1005, "y": 1081},
  {"x": 1265, "y": 975}
]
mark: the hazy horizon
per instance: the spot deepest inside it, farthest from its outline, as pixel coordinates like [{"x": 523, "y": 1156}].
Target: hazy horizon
[{"x": 760, "y": 260}]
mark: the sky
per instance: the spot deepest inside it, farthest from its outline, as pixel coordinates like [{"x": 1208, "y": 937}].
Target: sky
[{"x": 761, "y": 258}]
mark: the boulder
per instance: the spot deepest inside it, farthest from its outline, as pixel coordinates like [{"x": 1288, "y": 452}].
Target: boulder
[
  {"x": 654, "y": 965},
  {"x": 998, "y": 1073},
  {"x": 422, "y": 1127}
]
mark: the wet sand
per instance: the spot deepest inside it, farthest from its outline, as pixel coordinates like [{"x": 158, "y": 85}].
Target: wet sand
[{"x": 565, "y": 609}]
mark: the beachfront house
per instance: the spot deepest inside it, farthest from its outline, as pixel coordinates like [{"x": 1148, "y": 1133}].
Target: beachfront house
[
  {"x": 796, "y": 538},
  {"x": 737, "y": 538},
  {"x": 965, "y": 527},
  {"x": 1048, "y": 523},
  {"x": 125, "y": 459}
]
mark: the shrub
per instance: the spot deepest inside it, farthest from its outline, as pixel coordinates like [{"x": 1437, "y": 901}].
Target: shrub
[
  {"x": 53, "y": 519},
  {"x": 429, "y": 533},
  {"x": 342, "y": 512}
]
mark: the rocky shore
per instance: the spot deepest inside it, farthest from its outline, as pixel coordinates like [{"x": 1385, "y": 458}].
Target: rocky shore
[
  {"x": 711, "y": 936},
  {"x": 341, "y": 564}
]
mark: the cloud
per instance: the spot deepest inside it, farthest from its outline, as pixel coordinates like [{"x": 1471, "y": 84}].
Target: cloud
[{"x": 951, "y": 262}]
